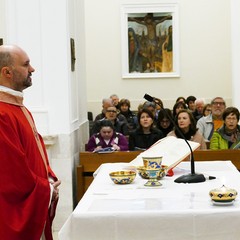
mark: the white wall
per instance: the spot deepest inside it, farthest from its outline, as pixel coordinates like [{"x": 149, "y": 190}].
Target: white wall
[
  {"x": 205, "y": 54},
  {"x": 2, "y": 20},
  {"x": 57, "y": 98},
  {"x": 60, "y": 99},
  {"x": 235, "y": 37}
]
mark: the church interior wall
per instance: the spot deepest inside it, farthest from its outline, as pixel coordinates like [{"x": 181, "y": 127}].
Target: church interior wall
[
  {"x": 235, "y": 47},
  {"x": 59, "y": 98},
  {"x": 205, "y": 55}
]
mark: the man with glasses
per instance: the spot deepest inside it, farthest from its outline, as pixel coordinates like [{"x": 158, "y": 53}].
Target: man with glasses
[
  {"x": 112, "y": 115},
  {"x": 107, "y": 102},
  {"x": 207, "y": 125}
]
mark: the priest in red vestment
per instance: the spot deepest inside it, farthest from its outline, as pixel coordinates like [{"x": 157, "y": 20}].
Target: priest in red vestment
[{"x": 28, "y": 186}]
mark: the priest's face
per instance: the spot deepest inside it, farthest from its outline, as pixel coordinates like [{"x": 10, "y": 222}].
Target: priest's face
[{"x": 21, "y": 70}]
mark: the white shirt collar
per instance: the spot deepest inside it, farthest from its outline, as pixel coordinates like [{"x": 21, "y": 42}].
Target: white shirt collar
[{"x": 11, "y": 91}]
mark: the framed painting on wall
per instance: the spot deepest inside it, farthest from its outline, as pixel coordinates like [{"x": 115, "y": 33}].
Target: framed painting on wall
[{"x": 150, "y": 40}]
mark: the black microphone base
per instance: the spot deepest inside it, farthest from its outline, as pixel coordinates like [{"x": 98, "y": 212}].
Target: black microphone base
[{"x": 190, "y": 178}]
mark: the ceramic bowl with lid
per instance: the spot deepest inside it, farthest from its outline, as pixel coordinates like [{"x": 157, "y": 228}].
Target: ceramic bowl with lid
[{"x": 223, "y": 195}]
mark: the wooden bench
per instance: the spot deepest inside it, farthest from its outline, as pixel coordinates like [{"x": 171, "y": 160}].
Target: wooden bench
[{"x": 89, "y": 162}]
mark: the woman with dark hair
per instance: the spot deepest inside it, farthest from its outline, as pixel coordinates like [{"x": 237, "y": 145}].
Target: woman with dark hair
[
  {"x": 124, "y": 107},
  {"x": 187, "y": 125},
  {"x": 227, "y": 136},
  {"x": 177, "y": 107},
  {"x": 181, "y": 99},
  {"x": 145, "y": 135},
  {"x": 107, "y": 138},
  {"x": 164, "y": 121},
  {"x": 190, "y": 101}
]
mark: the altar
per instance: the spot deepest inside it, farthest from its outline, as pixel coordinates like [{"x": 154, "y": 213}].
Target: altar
[{"x": 173, "y": 211}]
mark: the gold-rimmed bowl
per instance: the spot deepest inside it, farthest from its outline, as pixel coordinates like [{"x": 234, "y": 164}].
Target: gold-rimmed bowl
[
  {"x": 143, "y": 173},
  {"x": 223, "y": 195},
  {"x": 122, "y": 177}
]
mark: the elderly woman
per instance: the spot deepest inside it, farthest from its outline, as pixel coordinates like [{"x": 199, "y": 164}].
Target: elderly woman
[
  {"x": 187, "y": 125},
  {"x": 107, "y": 138},
  {"x": 146, "y": 134},
  {"x": 227, "y": 136}
]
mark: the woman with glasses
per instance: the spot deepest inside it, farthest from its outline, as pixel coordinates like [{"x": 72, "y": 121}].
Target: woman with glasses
[
  {"x": 227, "y": 136},
  {"x": 164, "y": 122}
]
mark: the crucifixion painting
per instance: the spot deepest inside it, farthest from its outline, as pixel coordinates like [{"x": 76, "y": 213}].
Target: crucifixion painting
[{"x": 150, "y": 42}]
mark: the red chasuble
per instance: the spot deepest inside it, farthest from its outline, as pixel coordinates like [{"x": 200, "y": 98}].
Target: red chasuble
[{"x": 24, "y": 184}]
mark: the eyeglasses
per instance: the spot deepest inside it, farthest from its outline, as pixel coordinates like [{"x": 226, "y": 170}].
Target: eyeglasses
[
  {"x": 165, "y": 121},
  {"x": 111, "y": 111},
  {"x": 218, "y": 103},
  {"x": 208, "y": 110}
]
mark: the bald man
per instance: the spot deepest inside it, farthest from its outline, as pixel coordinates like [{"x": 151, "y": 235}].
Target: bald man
[{"x": 28, "y": 186}]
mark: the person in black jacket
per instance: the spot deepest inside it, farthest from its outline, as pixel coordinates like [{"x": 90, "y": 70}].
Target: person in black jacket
[
  {"x": 145, "y": 135},
  {"x": 165, "y": 121},
  {"x": 124, "y": 107}
]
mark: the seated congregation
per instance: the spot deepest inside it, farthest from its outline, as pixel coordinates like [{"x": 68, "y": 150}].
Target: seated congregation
[{"x": 117, "y": 127}]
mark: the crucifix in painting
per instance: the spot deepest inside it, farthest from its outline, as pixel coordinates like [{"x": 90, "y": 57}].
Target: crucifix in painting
[{"x": 150, "y": 45}]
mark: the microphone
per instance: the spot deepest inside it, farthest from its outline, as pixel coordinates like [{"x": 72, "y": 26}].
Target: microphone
[{"x": 189, "y": 178}]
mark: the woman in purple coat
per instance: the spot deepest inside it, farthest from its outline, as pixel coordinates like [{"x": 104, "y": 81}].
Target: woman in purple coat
[{"x": 107, "y": 139}]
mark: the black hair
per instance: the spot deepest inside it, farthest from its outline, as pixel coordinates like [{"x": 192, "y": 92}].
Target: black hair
[
  {"x": 176, "y": 105},
  {"x": 190, "y": 98},
  {"x": 144, "y": 110},
  {"x": 106, "y": 123}
]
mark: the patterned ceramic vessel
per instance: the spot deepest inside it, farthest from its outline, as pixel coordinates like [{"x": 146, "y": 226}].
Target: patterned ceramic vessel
[
  {"x": 152, "y": 163},
  {"x": 122, "y": 177},
  {"x": 223, "y": 194},
  {"x": 143, "y": 173}
]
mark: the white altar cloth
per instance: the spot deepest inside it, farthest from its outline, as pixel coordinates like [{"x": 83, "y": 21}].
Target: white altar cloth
[{"x": 173, "y": 212}]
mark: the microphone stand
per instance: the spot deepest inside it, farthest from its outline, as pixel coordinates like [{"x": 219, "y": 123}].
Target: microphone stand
[{"x": 188, "y": 178}]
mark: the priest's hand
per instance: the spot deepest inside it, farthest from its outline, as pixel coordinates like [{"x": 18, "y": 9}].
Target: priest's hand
[{"x": 55, "y": 194}]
